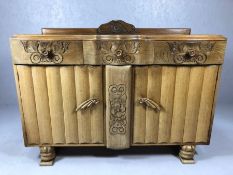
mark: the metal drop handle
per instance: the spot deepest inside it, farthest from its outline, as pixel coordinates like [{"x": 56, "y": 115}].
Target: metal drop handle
[
  {"x": 149, "y": 103},
  {"x": 87, "y": 104}
]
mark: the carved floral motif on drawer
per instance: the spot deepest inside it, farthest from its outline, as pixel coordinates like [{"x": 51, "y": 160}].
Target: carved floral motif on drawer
[{"x": 45, "y": 51}]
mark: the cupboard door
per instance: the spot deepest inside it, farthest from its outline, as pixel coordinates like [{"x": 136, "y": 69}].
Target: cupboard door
[
  {"x": 89, "y": 95},
  {"x": 62, "y": 104},
  {"x": 173, "y": 105}
]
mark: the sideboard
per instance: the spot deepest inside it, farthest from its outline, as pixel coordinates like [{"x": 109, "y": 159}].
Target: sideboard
[{"x": 117, "y": 86}]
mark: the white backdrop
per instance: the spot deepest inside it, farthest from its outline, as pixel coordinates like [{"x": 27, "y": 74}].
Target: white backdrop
[{"x": 24, "y": 16}]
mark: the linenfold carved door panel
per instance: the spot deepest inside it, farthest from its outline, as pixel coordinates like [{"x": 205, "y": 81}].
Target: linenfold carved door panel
[
  {"x": 173, "y": 104},
  {"x": 118, "y": 110},
  {"x": 169, "y": 104},
  {"x": 62, "y": 105}
]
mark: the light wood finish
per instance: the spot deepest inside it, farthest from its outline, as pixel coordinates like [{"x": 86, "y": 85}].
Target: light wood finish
[
  {"x": 182, "y": 94},
  {"x": 92, "y": 31},
  {"x": 187, "y": 153},
  {"x": 55, "y": 104},
  {"x": 16, "y": 75},
  {"x": 146, "y": 129},
  {"x": 69, "y": 104},
  {"x": 47, "y": 155},
  {"x": 96, "y": 88},
  {"x": 42, "y": 104},
  {"x": 139, "y": 110},
  {"x": 82, "y": 94},
  {"x": 59, "y": 90},
  {"x": 207, "y": 99},
  {"x": 214, "y": 101},
  {"x": 117, "y": 86},
  {"x": 180, "y": 103},
  {"x": 120, "y": 37},
  {"x": 118, "y": 110},
  {"x": 143, "y": 51},
  {"x": 27, "y": 97},
  {"x": 146, "y": 120},
  {"x": 193, "y": 103},
  {"x": 153, "y": 92},
  {"x": 89, "y": 85},
  {"x": 166, "y": 101},
  {"x": 72, "y": 55}
]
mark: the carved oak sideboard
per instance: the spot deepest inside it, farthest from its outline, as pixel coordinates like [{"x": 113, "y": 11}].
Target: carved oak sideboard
[{"x": 117, "y": 86}]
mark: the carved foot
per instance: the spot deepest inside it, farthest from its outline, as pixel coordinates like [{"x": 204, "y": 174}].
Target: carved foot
[
  {"x": 47, "y": 155},
  {"x": 187, "y": 153}
]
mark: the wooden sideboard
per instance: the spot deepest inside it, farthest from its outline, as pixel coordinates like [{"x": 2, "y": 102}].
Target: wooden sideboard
[{"x": 117, "y": 86}]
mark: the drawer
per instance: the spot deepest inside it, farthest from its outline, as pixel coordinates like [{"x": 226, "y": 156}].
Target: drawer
[
  {"x": 61, "y": 105},
  {"x": 148, "y": 52},
  {"x": 44, "y": 52},
  {"x": 173, "y": 104},
  {"x": 116, "y": 51}
]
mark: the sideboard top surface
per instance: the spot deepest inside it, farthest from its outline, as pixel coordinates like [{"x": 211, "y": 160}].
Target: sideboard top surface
[
  {"x": 93, "y": 31},
  {"x": 122, "y": 37}
]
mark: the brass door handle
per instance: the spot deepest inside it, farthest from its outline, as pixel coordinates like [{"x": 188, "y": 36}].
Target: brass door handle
[
  {"x": 150, "y": 103},
  {"x": 87, "y": 104}
]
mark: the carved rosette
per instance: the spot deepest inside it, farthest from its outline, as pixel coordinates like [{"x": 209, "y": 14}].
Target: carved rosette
[
  {"x": 118, "y": 52},
  {"x": 45, "y": 51},
  {"x": 118, "y": 98},
  {"x": 190, "y": 52}
]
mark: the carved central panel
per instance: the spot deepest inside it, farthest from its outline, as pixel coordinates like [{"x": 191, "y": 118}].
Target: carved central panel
[
  {"x": 118, "y": 52},
  {"x": 117, "y": 123}
]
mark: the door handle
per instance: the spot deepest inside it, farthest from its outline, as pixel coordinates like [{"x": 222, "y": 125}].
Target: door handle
[
  {"x": 149, "y": 103},
  {"x": 87, "y": 104}
]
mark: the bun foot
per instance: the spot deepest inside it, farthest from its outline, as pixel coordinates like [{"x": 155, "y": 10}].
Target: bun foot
[
  {"x": 47, "y": 155},
  {"x": 186, "y": 154}
]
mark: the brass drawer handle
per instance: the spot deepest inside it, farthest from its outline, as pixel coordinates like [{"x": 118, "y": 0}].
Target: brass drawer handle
[
  {"x": 150, "y": 103},
  {"x": 87, "y": 104}
]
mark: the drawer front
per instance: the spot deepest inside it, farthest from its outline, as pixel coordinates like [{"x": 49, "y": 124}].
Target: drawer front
[
  {"x": 117, "y": 52},
  {"x": 147, "y": 52},
  {"x": 61, "y": 105},
  {"x": 173, "y": 104},
  {"x": 43, "y": 52}
]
